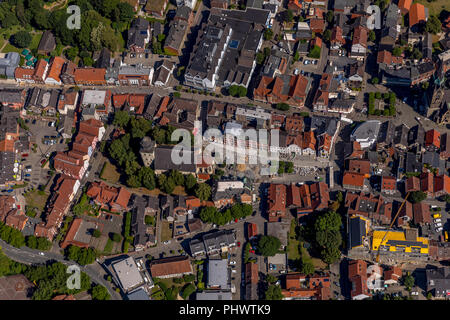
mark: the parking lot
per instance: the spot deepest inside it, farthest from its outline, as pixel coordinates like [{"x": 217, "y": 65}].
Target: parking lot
[{"x": 32, "y": 161}]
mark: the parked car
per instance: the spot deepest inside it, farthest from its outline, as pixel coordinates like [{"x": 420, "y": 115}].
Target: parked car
[
  {"x": 27, "y": 175},
  {"x": 233, "y": 271},
  {"x": 232, "y": 262}
]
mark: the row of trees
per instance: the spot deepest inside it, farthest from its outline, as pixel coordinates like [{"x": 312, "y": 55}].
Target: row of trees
[
  {"x": 15, "y": 238},
  {"x": 82, "y": 256},
  {"x": 389, "y": 98},
  {"x": 237, "y": 211}
]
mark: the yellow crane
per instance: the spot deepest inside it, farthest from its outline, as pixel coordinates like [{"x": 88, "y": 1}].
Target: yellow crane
[{"x": 390, "y": 226}]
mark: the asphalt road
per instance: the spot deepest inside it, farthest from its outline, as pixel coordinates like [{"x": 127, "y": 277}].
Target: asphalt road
[{"x": 30, "y": 256}]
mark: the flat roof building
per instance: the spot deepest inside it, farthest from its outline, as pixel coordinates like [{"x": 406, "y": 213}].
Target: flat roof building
[{"x": 128, "y": 274}]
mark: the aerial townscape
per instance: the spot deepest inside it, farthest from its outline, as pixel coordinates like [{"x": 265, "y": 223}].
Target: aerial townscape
[{"x": 91, "y": 103}]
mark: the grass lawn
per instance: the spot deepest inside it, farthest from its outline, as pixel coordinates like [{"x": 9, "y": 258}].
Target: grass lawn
[
  {"x": 109, "y": 173},
  {"x": 36, "y": 199},
  {"x": 166, "y": 232},
  {"x": 108, "y": 247},
  {"x": 33, "y": 45},
  {"x": 293, "y": 243},
  {"x": 435, "y": 7}
]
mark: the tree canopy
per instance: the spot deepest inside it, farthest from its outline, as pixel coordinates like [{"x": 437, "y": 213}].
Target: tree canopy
[{"x": 268, "y": 246}]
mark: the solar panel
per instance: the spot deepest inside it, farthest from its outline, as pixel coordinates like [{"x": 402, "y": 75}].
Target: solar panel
[{"x": 234, "y": 44}]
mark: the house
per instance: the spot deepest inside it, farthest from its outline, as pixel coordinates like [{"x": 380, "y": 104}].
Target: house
[
  {"x": 276, "y": 202},
  {"x": 432, "y": 140},
  {"x": 36, "y": 75},
  {"x": 392, "y": 275},
  {"x": 218, "y": 274},
  {"x": 135, "y": 75},
  {"x": 404, "y": 6},
  {"x": 59, "y": 201},
  {"x": 295, "y": 5},
  {"x": 112, "y": 198},
  {"x": 357, "y": 275},
  {"x": 8, "y": 64},
  {"x": 354, "y": 181},
  {"x": 156, "y": 7},
  {"x": 142, "y": 239},
  {"x": 139, "y": 34},
  {"x": 283, "y": 89},
  {"x": 405, "y": 215},
  {"x": 133, "y": 103},
  {"x": 438, "y": 281},
  {"x": 388, "y": 185},
  {"x": 418, "y": 14},
  {"x": 359, "y": 43},
  {"x": 90, "y": 76},
  {"x": 445, "y": 146},
  {"x": 213, "y": 243},
  {"x": 162, "y": 73},
  {"x": 251, "y": 281},
  {"x": 56, "y": 64},
  {"x": 67, "y": 101},
  {"x": 10, "y": 213},
  {"x": 225, "y": 192},
  {"x": 302, "y": 287},
  {"x": 188, "y": 3},
  {"x": 47, "y": 43},
  {"x": 95, "y": 104},
  {"x": 376, "y": 208},
  {"x": 422, "y": 213},
  {"x": 68, "y": 73},
  {"x": 79, "y": 233},
  {"x": 176, "y": 36},
  {"x": 366, "y": 133},
  {"x": 358, "y": 228}
]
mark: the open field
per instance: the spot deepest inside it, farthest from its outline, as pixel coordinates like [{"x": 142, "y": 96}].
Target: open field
[
  {"x": 435, "y": 7},
  {"x": 166, "y": 232},
  {"x": 36, "y": 199},
  {"x": 109, "y": 173}
]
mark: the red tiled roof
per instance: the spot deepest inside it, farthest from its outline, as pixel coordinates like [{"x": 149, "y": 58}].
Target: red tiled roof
[
  {"x": 170, "y": 266},
  {"x": 55, "y": 68},
  {"x": 404, "y": 5},
  {"x": 421, "y": 213},
  {"x": 359, "y": 166},
  {"x": 353, "y": 179},
  {"x": 433, "y": 138},
  {"x": 90, "y": 75},
  {"x": 388, "y": 183},
  {"x": 23, "y": 73},
  {"x": 360, "y": 36},
  {"x": 416, "y": 14}
]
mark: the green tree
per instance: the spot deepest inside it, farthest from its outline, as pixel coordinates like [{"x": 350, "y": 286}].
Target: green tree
[
  {"x": 273, "y": 292},
  {"x": 147, "y": 177},
  {"x": 397, "y": 51},
  {"x": 169, "y": 185},
  {"x": 268, "y": 246},
  {"x": 288, "y": 15},
  {"x": 99, "y": 292},
  {"x": 21, "y": 39},
  {"x": 417, "y": 196},
  {"x": 208, "y": 214},
  {"x": 315, "y": 52},
  {"x": 268, "y": 34},
  {"x": 433, "y": 25},
  {"x": 372, "y": 36},
  {"x": 282, "y": 106},
  {"x": 96, "y": 233},
  {"x": 307, "y": 268},
  {"x": 203, "y": 191},
  {"x": 408, "y": 281},
  {"x": 121, "y": 118},
  {"x": 375, "y": 80},
  {"x": 189, "y": 182},
  {"x": 116, "y": 237},
  {"x": 330, "y": 16},
  {"x": 177, "y": 177}
]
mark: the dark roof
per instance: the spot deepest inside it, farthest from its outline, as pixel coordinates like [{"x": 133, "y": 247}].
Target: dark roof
[
  {"x": 357, "y": 229},
  {"x": 163, "y": 160},
  {"x": 138, "y": 33},
  {"x": 47, "y": 42},
  {"x": 104, "y": 59},
  {"x": 322, "y": 125}
]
